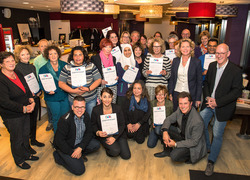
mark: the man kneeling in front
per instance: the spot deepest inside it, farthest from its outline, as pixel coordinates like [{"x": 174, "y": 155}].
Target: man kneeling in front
[
  {"x": 74, "y": 138},
  {"x": 186, "y": 142}
]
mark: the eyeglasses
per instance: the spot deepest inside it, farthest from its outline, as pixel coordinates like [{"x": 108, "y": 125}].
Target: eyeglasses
[
  {"x": 156, "y": 46},
  {"x": 222, "y": 53},
  {"x": 161, "y": 95},
  {"x": 79, "y": 107}
]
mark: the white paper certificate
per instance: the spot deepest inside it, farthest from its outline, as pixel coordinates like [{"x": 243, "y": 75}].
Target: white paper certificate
[
  {"x": 208, "y": 59},
  {"x": 105, "y": 31},
  {"x": 48, "y": 82},
  {"x": 159, "y": 115},
  {"x": 155, "y": 65},
  {"x": 117, "y": 53},
  {"x": 109, "y": 74},
  {"x": 32, "y": 82},
  {"x": 130, "y": 74},
  {"x": 170, "y": 53},
  {"x": 78, "y": 76},
  {"x": 109, "y": 123}
]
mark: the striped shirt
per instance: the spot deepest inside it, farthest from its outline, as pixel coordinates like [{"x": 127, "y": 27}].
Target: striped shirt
[
  {"x": 154, "y": 81},
  {"x": 92, "y": 74}
]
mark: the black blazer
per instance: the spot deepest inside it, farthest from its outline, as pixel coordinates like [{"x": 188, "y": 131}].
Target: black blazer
[
  {"x": 227, "y": 91},
  {"x": 194, "y": 77}
]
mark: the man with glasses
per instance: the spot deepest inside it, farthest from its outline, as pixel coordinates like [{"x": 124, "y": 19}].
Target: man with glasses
[
  {"x": 74, "y": 138},
  {"x": 222, "y": 87}
]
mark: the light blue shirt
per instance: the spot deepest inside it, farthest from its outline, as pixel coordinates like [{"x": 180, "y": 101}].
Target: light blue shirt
[{"x": 80, "y": 128}]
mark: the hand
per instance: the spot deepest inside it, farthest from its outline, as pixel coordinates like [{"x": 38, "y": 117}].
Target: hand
[
  {"x": 33, "y": 94},
  {"x": 116, "y": 78},
  {"x": 211, "y": 102},
  {"x": 110, "y": 140},
  {"x": 170, "y": 97},
  {"x": 130, "y": 128},
  {"x": 104, "y": 82},
  {"x": 136, "y": 127},
  {"x": 153, "y": 125},
  {"x": 30, "y": 107},
  {"x": 78, "y": 91},
  {"x": 102, "y": 134},
  {"x": 84, "y": 89},
  {"x": 204, "y": 72},
  {"x": 197, "y": 103},
  {"x": 51, "y": 92},
  {"x": 77, "y": 153},
  {"x": 148, "y": 72},
  {"x": 31, "y": 100},
  {"x": 163, "y": 72},
  {"x": 171, "y": 143},
  {"x": 165, "y": 138},
  {"x": 126, "y": 67}
]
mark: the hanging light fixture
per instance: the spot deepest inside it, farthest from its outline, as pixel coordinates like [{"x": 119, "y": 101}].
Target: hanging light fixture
[
  {"x": 139, "y": 18},
  {"x": 82, "y": 6},
  {"x": 201, "y": 10},
  {"x": 226, "y": 11},
  {"x": 111, "y": 9},
  {"x": 142, "y": 2},
  {"x": 151, "y": 11}
]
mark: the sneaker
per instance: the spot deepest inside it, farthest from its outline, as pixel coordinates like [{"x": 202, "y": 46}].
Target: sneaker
[
  {"x": 36, "y": 143},
  {"x": 49, "y": 127},
  {"x": 209, "y": 169}
]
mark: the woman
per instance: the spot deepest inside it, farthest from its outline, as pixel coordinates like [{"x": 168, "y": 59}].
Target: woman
[
  {"x": 143, "y": 41},
  {"x": 16, "y": 103},
  {"x": 116, "y": 144},
  {"x": 149, "y": 42},
  {"x": 156, "y": 50},
  {"x": 125, "y": 38},
  {"x": 79, "y": 58},
  {"x": 139, "y": 57},
  {"x": 137, "y": 111},
  {"x": 57, "y": 100},
  {"x": 186, "y": 74},
  {"x": 22, "y": 54},
  {"x": 204, "y": 36},
  {"x": 127, "y": 60},
  {"x": 113, "y": 37},
  {"x": 103, "y": 60},
  {"x": 161, "y": 100}
]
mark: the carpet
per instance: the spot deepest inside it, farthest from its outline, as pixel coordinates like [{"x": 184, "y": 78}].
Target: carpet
[{"x": 199, "y": 175}]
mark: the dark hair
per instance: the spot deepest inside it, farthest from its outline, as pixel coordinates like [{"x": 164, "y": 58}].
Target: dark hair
[
  {"x": 144, "y": 90},
  {"x": 111, "y": 32},
  {"x": 84, "y": 52},
  {"x": 173, "y": 32},
  {"x": 107, "y": 90},
  {"x": 213, "y": 40},
  {"x": 138, "y": 45},
  {"x": 78, "y": 98},
  {"x": 105, "y": 42},
  {"x": 184, "y": 94},
  {"x": 4, "y": 55},
  {"x": 143, "y": 35},
  {"x": 46, "y": 51},
  {"x": 161, "y": 88},
  {"x": 158, "y": 32}
]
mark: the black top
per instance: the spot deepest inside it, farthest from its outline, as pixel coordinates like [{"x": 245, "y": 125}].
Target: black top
[
  {"x": 184, "y": 123},
  {"x": 25, "y": 69}
]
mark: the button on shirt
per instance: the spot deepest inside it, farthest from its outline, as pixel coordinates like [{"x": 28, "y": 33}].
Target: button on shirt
[{"x": 80, "y": 128}]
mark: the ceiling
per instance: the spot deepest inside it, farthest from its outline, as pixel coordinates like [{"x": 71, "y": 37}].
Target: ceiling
[{"x": 54, "y": 5}]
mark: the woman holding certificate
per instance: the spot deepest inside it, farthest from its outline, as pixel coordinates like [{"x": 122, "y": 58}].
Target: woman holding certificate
[
  {"x": 109, "y": 126},
  {"x": 137, "y": 111},
  {"x": 157, "y": 67},
  {"x": 128, "y": 71},
  {"x": 54, "y": 96},
  {"x": 105, "y": 63},
  {"x": 80, "y": 77},
  {"x": 186, "y": 74}
]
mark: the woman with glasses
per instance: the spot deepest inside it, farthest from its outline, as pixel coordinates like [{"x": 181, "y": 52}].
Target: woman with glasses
[{"x": 125, "y": 38}]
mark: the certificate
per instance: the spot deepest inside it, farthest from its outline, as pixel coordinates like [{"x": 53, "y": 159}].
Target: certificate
[
  {"x": 170, "y": 53},
  {"x": 109, "y": 123},
  {"x": 109, "y": 74},
  {"x": 130, "y": 75},
  {"x": 117, "y": 53},
  {"x": 105, "y": 31},
  {"x": 78, "y": 76},
  {"x": 48, "y": 82},
  {"x": 32, "y": 82},
  {"x": 155, "y": 65},
  {"x": 159, "y": 115},
  {"x": 208, "y": 59}
]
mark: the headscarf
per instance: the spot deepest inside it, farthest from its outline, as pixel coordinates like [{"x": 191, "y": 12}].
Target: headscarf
[
  {"x": 127, "y": 61},
  {"x": 107, "y": 62}
]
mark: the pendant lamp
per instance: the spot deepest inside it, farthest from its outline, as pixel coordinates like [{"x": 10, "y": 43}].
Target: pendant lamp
[{"x": 201, "y": 10}]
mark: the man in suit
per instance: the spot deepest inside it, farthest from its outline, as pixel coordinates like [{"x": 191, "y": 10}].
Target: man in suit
[
  {"x": 222, "y": 87},
  {"x": 188, "y": 138}
]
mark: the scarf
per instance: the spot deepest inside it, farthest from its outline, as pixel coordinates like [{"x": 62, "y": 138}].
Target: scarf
[
  {"x": 143, "y": 105},
  {"x": 107, "y": 62},
  {"x": 127, "y": 61},
  {"x": 203, "y": 49},
  {"x": 51, "y": 70}
]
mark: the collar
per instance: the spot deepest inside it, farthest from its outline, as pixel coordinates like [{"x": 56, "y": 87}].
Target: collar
[{"x": 224, "y": 66}]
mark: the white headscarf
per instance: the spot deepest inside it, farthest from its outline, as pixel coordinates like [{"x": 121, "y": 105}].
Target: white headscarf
[{"x": 127, "y": 61}]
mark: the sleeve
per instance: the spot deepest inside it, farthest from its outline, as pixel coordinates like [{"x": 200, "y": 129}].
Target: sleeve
[
  {"x": 171, "y": 82},
  {"x": 125, "y": 108},
  {"x": 208, "y": 77},
  {"x": 198, "y": 80},
  {"x": 95, "y": 73},
  {"x": 145, "y": 66},
  {"x": 167, "y": 68},
  {"x": 170, "y": 120},
  {"x": 64, "y": 75},
  {"x": 146, "y": 116},
  {"x": 120, "y": 71}
]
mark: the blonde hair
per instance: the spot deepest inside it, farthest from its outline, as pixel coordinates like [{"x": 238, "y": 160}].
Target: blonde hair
[
  {"x": 124, "y": 32},
  {"x": 205, "y": 33},
  {"x": 191, "y": 43},
  {"x": 19, "y": 49},
  {"x": 161, "y": 42}
]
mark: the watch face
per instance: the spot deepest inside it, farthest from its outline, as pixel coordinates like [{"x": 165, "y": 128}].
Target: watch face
[{"x": 7, "y": 12}]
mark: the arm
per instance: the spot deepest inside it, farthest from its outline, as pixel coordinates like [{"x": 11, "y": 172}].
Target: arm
[
  {"x": 146, "y": 116},
  {"x": 167, "y": 67},
  {"x": 145, "y": 67},
  {"x": 95, "y": 118}
]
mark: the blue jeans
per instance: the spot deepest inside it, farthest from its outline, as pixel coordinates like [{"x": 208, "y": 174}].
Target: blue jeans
[
  {"x": 218, "y": 131},
  {"x": 154, "y": 136}
]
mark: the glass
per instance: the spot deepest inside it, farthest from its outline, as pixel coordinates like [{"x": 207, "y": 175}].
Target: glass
[
  {"x": 79, "y": 107},
  {"x": 156, "y": 46},
  {"x": 222, "y": 53},
  {"x": 160, "y": 95}
]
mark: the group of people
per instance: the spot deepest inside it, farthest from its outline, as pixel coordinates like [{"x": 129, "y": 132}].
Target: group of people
[{"x": 76, "y": 112}]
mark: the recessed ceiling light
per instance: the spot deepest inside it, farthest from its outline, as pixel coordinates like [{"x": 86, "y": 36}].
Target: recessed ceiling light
[{"x": 25, "y": 2}]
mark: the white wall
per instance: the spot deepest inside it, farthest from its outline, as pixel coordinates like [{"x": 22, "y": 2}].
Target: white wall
[{"x": 59, "y": 27}]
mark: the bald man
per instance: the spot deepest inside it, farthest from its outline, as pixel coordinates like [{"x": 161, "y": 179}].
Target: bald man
[
  {"x": 185, "y": 34},
  {"x": 222, "y": 87}
]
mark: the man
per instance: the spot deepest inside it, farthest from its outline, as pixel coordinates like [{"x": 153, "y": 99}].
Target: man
[
  {"x": 222, "y": 87},
  {"x": 185, "y": 34},
  {"x": 187, "y": 139},
  {"x": 74, "y": 139},
  {"x": 211, "y": 48},
  {"x": 172, "y": 38},
  {"x": 135, "y": 36}
]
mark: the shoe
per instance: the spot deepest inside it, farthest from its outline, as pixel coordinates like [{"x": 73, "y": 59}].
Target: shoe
[
  {"x": 162, "y": 154},
  {"x": 24, "y": 165},
  {"x": 209, "y": 169},
  {"x": 36, "y": 143},
  {"x": 85, "y": 159},
  {"x": 49, "y": 127},
  {"x": 32, "y": 158},
  {"x": 32, "y": 151}
]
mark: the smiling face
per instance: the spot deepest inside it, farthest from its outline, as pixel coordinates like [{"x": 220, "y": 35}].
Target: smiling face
[
  {"x": 137, "y": 90},
  {"x": 53, "y": 56},
  {"x": 211, "y": 47},
  {"x": 138, "y": 52},
  {"x": 8, "y": 64},
  {"x": 185, "y": 105},
  {"x": 185, "y": 34},
  {"x": 107, "y": 50},
  {"x": 127, "y": 52},
  {"x": 204, "y": 40},
  {"x": 135, "y": 37},
  {"x": 222, "y": 53},
  {"x": 160, "y": 96},
  {"x": 113, "y": 38},
  {"x": 78, "y": 57},
  {"x": 156, "y": 48},
  {"x": 171, "y": 42},
  {"x": 78, "y": 108},
  {"x": 106, "y": 99},
  {"x": 125, "y": 38},
  {"x": 43, "y": 45},
  {"x": 185, "y": 49},
  {"x": 24, "y": 56},
  {"x": 143, "y": 40}
]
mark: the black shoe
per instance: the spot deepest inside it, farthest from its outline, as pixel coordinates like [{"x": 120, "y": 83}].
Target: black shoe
[
  {"x": 209, "y": 169},
  {"x": 162, "y": 154},
  {"x": 24, "y": 165},
  {"x": 36, "y": 143},
  {"x": 32, "y": 158},
  {"x": 85, "y": 159},
  {"x": 49, "y": 127},
  {"x": 32, "y": 151}
]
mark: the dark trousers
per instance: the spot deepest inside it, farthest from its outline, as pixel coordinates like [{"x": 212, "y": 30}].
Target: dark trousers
[
  {"x": 119, "y": 147},
  {"x": 33, "y": 119},
  {"x": 19, "y": 129},
  {"x": 178, "y": 154},
  {"x": 140, "y": 135}
]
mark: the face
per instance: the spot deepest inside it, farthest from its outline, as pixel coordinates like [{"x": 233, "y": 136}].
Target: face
[
  {"x": 135, "y": 37},
  {"x": 125, "y": 38},
  {"x": 106, "y": 99},
  {"x": 157, "y": 35},
  {"x": 156, "y": 48},
  {"x": 24, "y": 56},
  {"x": 53, "y": 56},
  {"x": 8, "y": 64},
  {"x": 78, "y": 57},
  {"x": 78, "y": 108},
  {"x": 222, "y": 54},
  {"x": 176, "y": 48},
  {"x": 143, "y": 40},
  {"x": 138, "y": 52},
  {"x": 211, "y": 47},
  {"x": 127, "y": 52},
  {"x": 137, "y": 90},
  {"x": 113, "y": 38},
  {"x": 204, "y": 40},
  {"x": 171, "y": 42},
  {"x": 184, "y": 105},
  {"x": 42, "y": 46},
  {"x": 107, "y": 50},
  {"x": 185, "y": 34},
  {"x": 185, "y": 49},
  {"x": 149, "y": 42},
  {"x": 160, "y": 96}
]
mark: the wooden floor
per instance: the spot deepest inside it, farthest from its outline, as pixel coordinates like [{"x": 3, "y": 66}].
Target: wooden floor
[{"x": 234, "y": 158}]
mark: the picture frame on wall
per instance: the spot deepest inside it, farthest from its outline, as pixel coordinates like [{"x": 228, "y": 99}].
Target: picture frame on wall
[
  {"x": 24, "y": 32},
  {"x": 62, "y": 38}
]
